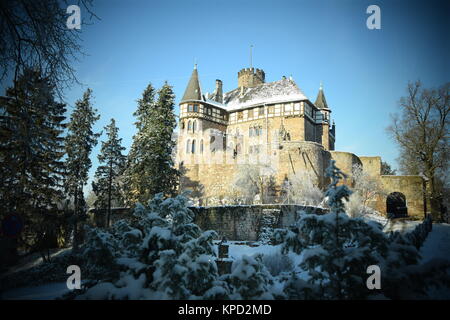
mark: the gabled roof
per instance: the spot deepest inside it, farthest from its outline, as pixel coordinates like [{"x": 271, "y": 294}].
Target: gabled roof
[
  {"x": 193, "y": 91},
  {"x": 321, "y": 102},
  {"x": 285, "y": 90}
]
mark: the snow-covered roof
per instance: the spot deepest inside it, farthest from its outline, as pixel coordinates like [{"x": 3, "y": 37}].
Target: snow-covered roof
[{"x": 285, "y": 90}]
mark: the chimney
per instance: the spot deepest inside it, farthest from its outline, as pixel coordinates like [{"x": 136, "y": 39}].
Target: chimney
[{"x": 219, "y": 91}]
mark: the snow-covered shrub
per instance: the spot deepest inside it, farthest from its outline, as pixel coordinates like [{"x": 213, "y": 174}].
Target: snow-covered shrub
[
  {"x": 354, "y": 207},
  {"x": 276, "y": 263},
  {"x": 100, "y": 251},
  {"x": 249, "y": 279},
  {"x": 302, "y": 188},
  {"x": 254, "y": 181},
  {"x": 296, "y": 288},
  {"x": 161, "y": 254}
]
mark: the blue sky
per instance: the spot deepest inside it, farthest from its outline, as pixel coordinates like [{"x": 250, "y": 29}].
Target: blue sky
[{"x": 364, "y": 72}]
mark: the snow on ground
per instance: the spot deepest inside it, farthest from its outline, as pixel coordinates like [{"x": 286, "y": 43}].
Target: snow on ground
[
  {"x": 402, "y": 226},
  {"x": 437, "y": 244},
  {"x": 32, "y": 260}
]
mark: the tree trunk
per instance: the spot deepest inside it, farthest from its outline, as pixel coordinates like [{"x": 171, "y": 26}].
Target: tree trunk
[
  {"x": 109, "y": 195},
  {"x": 75, "y": 222}
]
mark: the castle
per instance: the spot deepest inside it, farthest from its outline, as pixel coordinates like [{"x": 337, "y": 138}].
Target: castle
[{"x": 275, "y": 125}]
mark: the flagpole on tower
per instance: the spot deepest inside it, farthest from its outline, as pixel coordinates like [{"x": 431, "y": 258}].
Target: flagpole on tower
[{"x": 251, "y": 62}]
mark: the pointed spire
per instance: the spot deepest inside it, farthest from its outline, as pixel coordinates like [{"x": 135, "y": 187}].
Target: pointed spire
[
  {"x": 193, "y": 91},
  {"x": 321, "y": 102}
]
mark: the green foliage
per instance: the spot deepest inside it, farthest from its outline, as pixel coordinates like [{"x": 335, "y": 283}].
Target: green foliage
[
  {"x": 31, "y": 151},
  {"x": 80, "y": 141},
  {"x": 107, "y": 184},
  {"x": 150, "y": 168},
  {"x": 162, "y": 249}
]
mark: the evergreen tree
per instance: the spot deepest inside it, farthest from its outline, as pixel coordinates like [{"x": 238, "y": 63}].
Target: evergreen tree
[
  {"x": 150, "y": 168},
  {"x": 161, "y": 248},
  {"x": 79, "y": 143},
  {"x": 106, "y": 185},
  {"x": 31, "y": 151}
]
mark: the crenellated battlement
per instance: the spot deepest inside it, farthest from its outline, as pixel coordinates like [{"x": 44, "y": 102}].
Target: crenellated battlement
[{"x": 251, "y": 77}]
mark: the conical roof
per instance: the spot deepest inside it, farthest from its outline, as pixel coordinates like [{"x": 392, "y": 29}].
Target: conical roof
[
  {"x": 321, "y": 102},
  {"x": 193, "y": 91}
]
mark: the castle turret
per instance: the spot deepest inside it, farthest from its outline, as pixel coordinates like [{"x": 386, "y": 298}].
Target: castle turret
[
  {"x": 193, "y": 91},
  {"x": 250, "y": 77},
  {"x": 328, "y": 139}
]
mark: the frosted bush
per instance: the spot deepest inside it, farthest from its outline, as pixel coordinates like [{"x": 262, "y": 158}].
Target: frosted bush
[
  {"x": 302, "y": 188},
  {"x": 277, "y": 263}
]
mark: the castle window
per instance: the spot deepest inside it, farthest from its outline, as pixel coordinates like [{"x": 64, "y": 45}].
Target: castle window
[
  {"x": 189, "y": 125},
  {"x": 261, "y": 111},
  {"x": 193, "y": 146},
  {"x": 212, "y": 147},
  {"x": 195, "y": 107},
  {"x": 250, "y": 132},
  {"x": 201, "y": 146},
  {"x": 190, "y": 108},
  {"x": 240, "y": 115},
  {"x": 188, "y": 146},
  {"x": 194, "y": 126},
  {"x": 182, "y": 125}
]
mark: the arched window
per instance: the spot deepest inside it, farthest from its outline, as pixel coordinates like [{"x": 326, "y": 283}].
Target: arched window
[
  {"x": 250, "y": 131},
  {"x": 201, "y": 146},
  {"x": 188, "y": 146},
  {"x": 189, "y": 125},
  {"x": 194, "y": 126},
  {"x": 193, "y": 146},
  {"x": 182, "y": 125}
]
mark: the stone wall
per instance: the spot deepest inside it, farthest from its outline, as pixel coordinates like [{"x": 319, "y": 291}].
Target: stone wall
[
  {"x": 345, "y": 161},
  {"x": 411, "y": 187},
  {"x": 243, "y": 223},
  {"x": 371, "y": 165}
]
